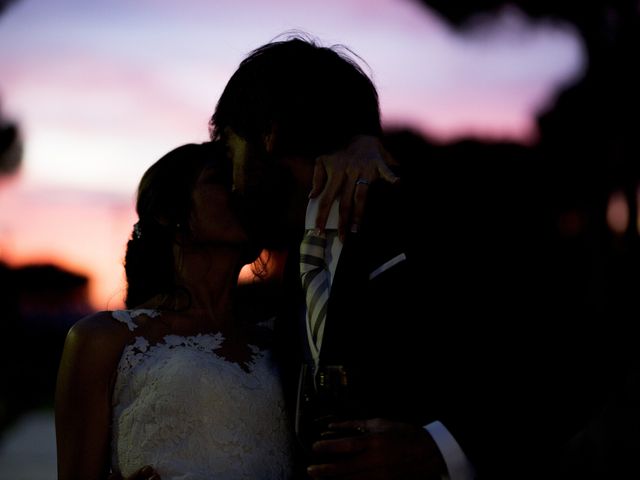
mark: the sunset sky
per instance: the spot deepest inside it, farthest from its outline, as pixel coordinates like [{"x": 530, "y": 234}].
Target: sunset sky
[{"x": 102, "y": 89}]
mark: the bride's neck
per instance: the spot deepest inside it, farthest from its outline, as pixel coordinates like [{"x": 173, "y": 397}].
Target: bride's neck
[{"x": 210, "y": 277}]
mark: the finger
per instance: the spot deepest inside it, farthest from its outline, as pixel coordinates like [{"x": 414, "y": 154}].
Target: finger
[
  {"x": 346, "y": 468},
  {"x": 145, "y": 473},
  {"x": 385, "y": 171},
  {"x": 319, "y": 177},
  {"x": 372, "y": 425},
  {"x": 360, "y": 201},
  {"x": 387, "y": 174},
  {"x": 348, "y": 425},
  {"x": 321, "y": 471},
  {"x": 326, "y": 199},
  {"x": 341, "y": 445},
  {"x": 346, "y": 201},
  {"x": 318, "y": 471}
]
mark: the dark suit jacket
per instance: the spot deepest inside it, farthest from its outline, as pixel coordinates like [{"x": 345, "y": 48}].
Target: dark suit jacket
[
  {"x": 463, "y": 331},
  {"x": 375, "y": 326}
]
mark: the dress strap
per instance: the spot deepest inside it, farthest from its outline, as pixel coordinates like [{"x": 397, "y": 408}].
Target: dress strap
[{"x": 127, "y": 316}]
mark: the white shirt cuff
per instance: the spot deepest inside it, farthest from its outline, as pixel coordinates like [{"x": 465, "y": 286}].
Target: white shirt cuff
[{"x": 458, "y": 464}]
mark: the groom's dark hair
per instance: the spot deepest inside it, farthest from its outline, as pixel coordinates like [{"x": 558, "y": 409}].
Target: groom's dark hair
[{"x": 313, "y": 98}]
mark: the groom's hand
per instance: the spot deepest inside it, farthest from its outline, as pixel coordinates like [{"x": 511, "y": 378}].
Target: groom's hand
[
  {"x": 386, "y": 450},
  {"x": 345, "y": 176}
]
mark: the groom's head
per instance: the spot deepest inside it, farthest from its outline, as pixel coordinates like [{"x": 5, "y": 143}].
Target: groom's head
[
  {"x": 288, "y": 102},
  {"x": 306, "y": 99}
]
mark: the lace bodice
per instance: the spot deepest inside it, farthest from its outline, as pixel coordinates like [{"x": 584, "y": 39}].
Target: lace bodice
[{"x": 195, "y": 415}]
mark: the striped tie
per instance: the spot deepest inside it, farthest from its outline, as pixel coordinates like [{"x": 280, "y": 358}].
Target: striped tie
[{"x": 315, "y": 281}]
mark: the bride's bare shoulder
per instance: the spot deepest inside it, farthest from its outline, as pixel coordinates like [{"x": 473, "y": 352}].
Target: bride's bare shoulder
[
  {"x": 90, "y": 358},
  {"x": 98, "y": 335},
  {"x": 102, "y": 323}
]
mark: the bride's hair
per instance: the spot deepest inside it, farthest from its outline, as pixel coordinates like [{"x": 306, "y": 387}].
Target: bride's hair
[{"x": 164, "y": 205}]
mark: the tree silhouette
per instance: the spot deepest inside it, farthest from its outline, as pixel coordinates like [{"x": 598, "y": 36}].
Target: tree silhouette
[
  {"x": 585, "y": 276},
  {"x": 10, "y": 145}
]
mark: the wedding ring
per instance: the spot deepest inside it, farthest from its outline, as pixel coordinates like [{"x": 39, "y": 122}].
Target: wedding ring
[{"x": 362, "y": 181}]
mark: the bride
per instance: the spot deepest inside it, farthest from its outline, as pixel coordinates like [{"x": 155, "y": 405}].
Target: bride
[{"x": 177, "y": 381}]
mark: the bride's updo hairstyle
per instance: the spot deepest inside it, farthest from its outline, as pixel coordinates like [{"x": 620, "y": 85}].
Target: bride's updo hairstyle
[{"x": 164, "y": 205}]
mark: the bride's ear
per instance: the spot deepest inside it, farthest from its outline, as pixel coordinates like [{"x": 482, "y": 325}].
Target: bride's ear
[
  {"x": 164, "y": 220},
  {"x": 170, "y": 221}
]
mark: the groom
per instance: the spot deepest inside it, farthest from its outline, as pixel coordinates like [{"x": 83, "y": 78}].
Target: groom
[
  {"x": 431, "y": 389},
  {"x": 288, "y": 103}
]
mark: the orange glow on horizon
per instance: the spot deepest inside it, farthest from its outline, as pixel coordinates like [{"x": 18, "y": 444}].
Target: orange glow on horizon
[{"x": 78, "y": 231}]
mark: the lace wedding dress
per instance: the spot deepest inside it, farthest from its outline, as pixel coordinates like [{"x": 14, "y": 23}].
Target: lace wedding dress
[{"x": 193, "y": 415}]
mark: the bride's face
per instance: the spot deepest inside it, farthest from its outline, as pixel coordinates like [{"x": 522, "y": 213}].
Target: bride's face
[{"x": 213, "y": 219}]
